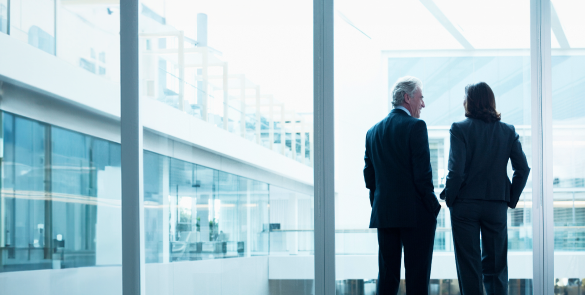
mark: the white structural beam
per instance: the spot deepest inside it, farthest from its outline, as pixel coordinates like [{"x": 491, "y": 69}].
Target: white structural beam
[
  {"x": 557, "y": 28},
  {"x": 133, "y": 270},
  {"x": 475, "y": 52},
  {"x": 323, "y": 15},
  {"x": 446, "y": 23},
  {"x": 542, "y": 181}
]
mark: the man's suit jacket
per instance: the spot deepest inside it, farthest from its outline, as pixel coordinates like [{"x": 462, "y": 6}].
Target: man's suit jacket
[
  {"x": 398, "y": 171},
  {"x": 478, "y": 160}
]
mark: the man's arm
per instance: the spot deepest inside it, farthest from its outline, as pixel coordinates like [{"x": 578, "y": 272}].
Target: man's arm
[
  {"x": 369, "y": 175},
  {"x": 521, "y": 171},
  {"x": 456, "y": 166},
  {"x": 421, "y": 166}
]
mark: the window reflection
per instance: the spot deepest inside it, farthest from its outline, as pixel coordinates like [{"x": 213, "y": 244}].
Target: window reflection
[
  {"x": 60, "y": 198},
  {"x": 61, "y": 205}
]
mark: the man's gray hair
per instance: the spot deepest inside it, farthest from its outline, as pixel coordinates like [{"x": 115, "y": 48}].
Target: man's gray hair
[{"x": 404, "y": 85}]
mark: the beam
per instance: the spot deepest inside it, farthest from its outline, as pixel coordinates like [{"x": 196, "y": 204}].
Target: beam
[
  {"x": 557, "y": 28},
  {"x": 447, "y": 24},
  {"x": 91, "y": 2}
]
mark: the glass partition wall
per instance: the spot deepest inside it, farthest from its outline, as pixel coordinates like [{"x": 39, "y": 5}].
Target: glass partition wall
[
  {"x": 229, "y": 132},
  {"x": 227, "y": 112},
  {"x": 60, "y": 162},
  {"x": 450, "y": 45},
  {"x": 568, "y": 139}
]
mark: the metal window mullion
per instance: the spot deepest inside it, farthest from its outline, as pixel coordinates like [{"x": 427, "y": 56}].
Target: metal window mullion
[
  {"x": 324, "y": 147},
  {"x": 542, "y": 196},
  {"x": 133, "y": 282}
]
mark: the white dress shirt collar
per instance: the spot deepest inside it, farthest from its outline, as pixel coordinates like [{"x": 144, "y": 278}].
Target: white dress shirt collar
[{"x": 404, "y": 109}]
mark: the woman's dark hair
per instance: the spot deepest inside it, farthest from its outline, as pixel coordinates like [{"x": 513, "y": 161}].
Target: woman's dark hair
[{"x": 480, "y": 103}]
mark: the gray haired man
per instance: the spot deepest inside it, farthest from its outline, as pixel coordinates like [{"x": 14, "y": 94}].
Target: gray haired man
[{"x": 404, "y": 206}]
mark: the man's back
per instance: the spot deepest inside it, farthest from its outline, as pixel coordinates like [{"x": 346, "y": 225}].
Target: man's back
[{"x": 398, "y": 171}]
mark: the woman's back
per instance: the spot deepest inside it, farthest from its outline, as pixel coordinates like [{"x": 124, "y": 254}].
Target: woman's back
[
  {"x": 480, "y": 148},
  {"x": 484, "y": 149}
]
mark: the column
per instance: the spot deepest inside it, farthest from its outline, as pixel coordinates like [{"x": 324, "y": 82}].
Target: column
[
  {"x": 226, "y": 106},
  {"x": 243, "y": 106},
  {"x": 271, "y": 123},
  {"x": 166, "y": 207},
  {"x": 248, "y": 219},
  {"x": 258, "y": 116},
  {"x": 181, "y": 64},
  {"x": 303, "y": 150},
  {"x": 282, "y": 130}
]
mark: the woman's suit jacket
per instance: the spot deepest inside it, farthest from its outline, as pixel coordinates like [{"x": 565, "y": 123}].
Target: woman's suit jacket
[{"x": 478, "y": 160}]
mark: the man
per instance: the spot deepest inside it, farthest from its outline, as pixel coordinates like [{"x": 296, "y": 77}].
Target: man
[{"x": 404, "y": 206}]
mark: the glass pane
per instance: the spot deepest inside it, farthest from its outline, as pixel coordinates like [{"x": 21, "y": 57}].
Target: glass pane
[
  {"x": 89, "y": 37},
  {"x": 60, "y": 200},
  {"x": 228, "y": 177},
  {"x": 33, "y": 22},
  {"x": 447, "y": 45},
  {"x": 568, "y": 82}
]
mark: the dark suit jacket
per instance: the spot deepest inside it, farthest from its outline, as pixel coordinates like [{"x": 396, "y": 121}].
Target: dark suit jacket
[
  {"x": 398, "y": 171},
  {"x": 478, "y": 160}
]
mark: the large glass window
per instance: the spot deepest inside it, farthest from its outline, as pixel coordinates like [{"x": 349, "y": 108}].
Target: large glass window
[
  {"x": 60, "y": 201},
  {"x": 446, "y": 44},
  {"x": 60, "y": 164},
  {"x": 568, "y": 106},
  {"x": 23, "y": 181},
  {"x": 88, "y": 37},
  {"x": 227, "y": 108}
]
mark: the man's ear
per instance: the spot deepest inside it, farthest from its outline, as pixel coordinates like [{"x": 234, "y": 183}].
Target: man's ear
[{"x": 406, "y": 98}]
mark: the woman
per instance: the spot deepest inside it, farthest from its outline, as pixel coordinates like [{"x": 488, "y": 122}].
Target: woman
[{"x": 478, "y": 191}]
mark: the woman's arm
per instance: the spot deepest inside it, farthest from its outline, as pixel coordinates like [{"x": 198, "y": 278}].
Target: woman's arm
[{"x": 521, "y": 171}]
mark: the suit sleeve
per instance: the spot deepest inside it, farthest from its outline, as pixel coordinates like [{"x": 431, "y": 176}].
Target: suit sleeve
[
  {"x": 369, "y": 175},
  {"x": 421, "y": 165},
  {"x": 456, "y": 165},
  {"x": 521, "y": 171}
]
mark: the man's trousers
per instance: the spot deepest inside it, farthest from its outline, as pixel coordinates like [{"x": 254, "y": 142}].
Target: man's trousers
[{"x": 418, "y": 254}]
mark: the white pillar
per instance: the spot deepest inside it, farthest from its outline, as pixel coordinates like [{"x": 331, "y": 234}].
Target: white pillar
[
  {"x": 293, "y": 133},
  {"x": 166, "y": 194},
  {"x": 303, "y": 140},
  {"x": 282, "y": 130},
  {"x": 226, "y": 106},
  {"x": 271, "y": 124},
  {"x": 311, "y": 146},
  {"x": 181, "y": 61},
  {"x": 293, "y": 242},
  {"x": 248, "y": 219},
  {"x": 258, "y": 120},
  {"x": 243, "y": 105}
]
